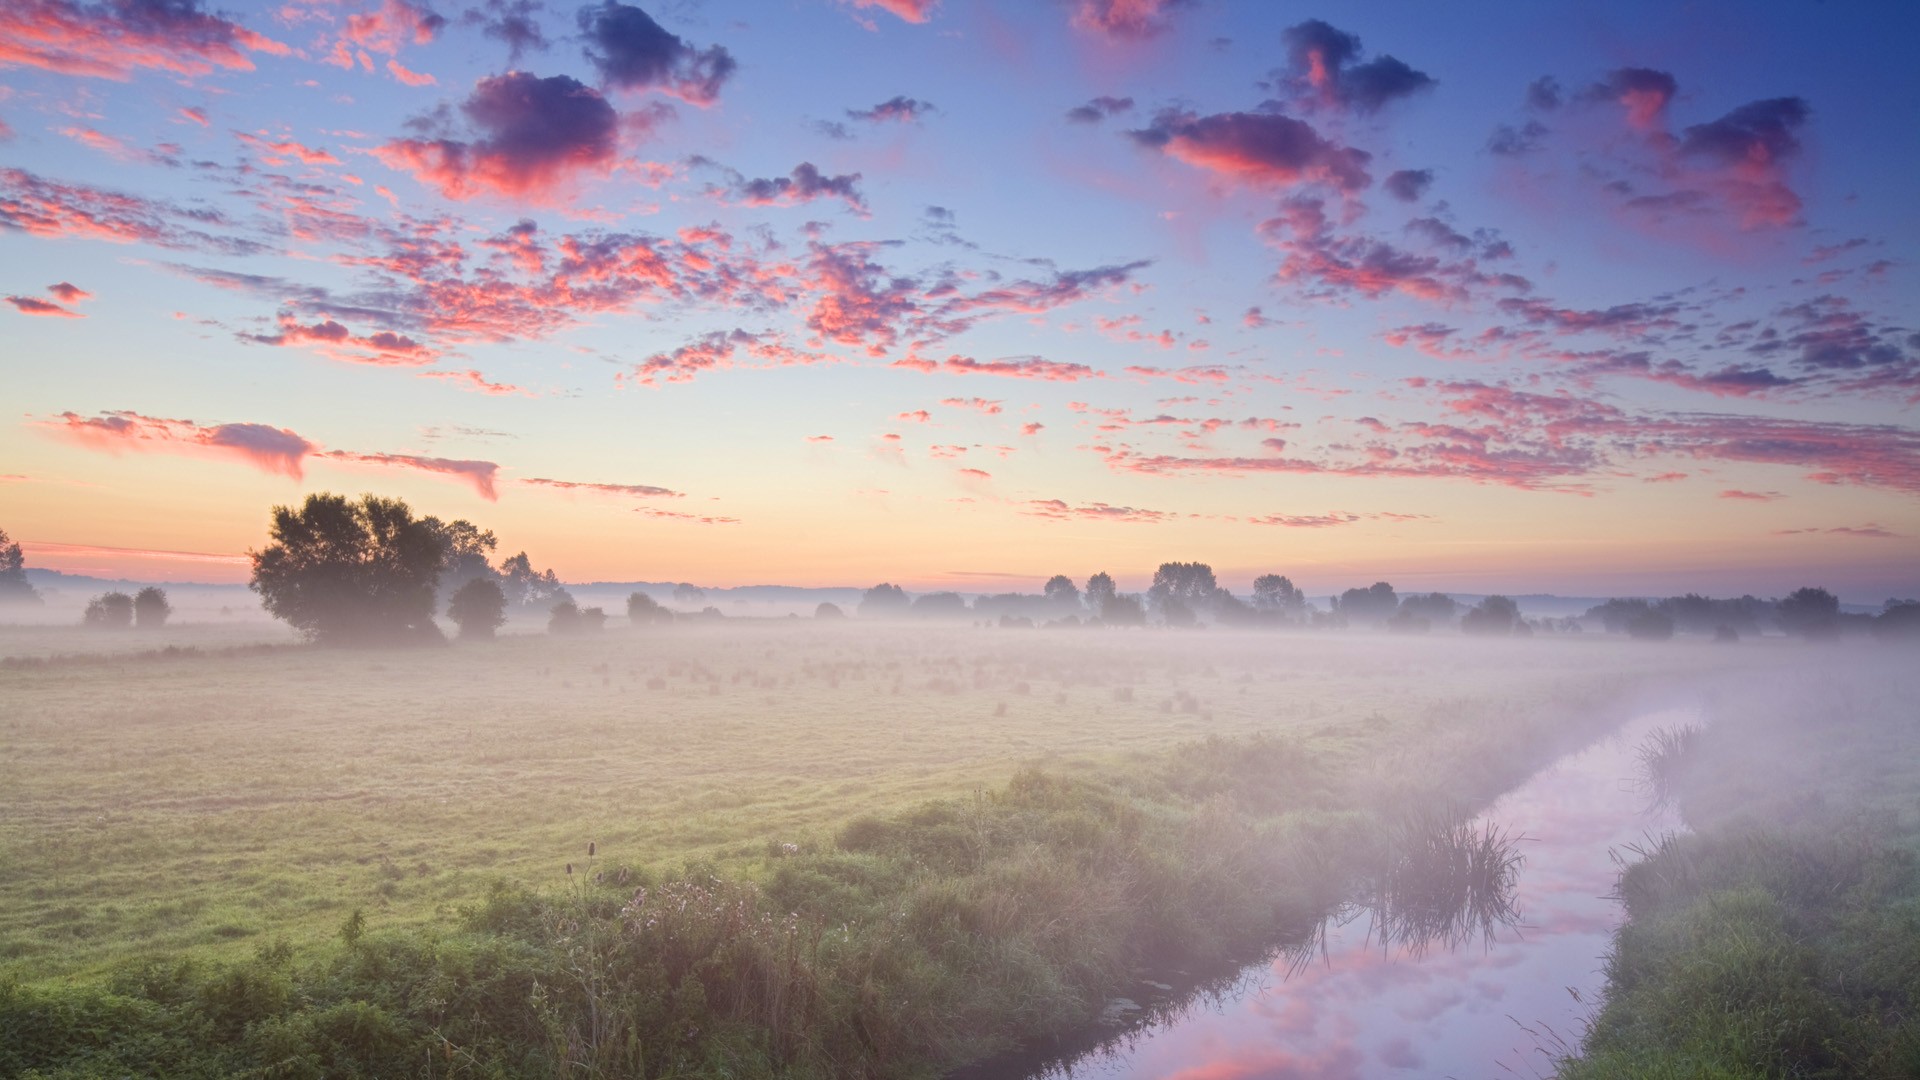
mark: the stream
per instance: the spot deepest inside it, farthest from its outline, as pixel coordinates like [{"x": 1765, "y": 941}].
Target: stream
[{"x": 1369, "y": 1000}]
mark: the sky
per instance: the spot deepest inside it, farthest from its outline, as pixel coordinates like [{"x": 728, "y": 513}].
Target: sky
[{"x": 1528, "y": 297}]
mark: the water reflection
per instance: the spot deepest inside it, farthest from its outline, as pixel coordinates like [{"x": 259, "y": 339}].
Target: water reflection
[{"x": 1427, "y": 969}]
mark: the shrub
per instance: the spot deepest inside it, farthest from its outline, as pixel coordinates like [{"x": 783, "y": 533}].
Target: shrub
[
  {"x": 478, "y": 608},
  {"x": 150, "y": 608},
  {"x": 109, "y": 611}
]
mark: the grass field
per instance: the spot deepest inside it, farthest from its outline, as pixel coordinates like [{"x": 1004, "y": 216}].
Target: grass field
[{"x": 192, "y": 802}]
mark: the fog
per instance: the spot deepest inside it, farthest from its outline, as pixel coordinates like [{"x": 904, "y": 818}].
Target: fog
[{"x": 898, "y": 837}]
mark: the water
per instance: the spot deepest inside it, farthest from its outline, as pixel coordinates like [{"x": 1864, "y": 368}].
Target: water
[{"x": 1500, "y": 1005}]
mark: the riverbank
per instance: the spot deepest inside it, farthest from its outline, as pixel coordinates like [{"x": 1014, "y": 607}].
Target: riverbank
[{"x": 1781, "y": 936}]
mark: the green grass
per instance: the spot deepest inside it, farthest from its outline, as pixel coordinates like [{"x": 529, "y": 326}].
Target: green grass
[
  {"x": 865, "y": 852},
  {"x": 1782, "y": 937}
]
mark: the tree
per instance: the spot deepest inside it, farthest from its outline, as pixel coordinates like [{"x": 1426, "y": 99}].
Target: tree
[
  {"x": 564, "y": 618},
  {"x": 1434, "y": 607},
  {"x": 466, "y": 550},
  {"x": 1060, "y": 592},
  {"x": 686, "y": 593},
  {"x": 150, "y": 608},
  {"x": 1099, "y": 591},
  {"x": 344, "y": 571},
  {"x": 940, "y": 605},
  {"x": 527, "y": 589},
  {"x": 1123, "y": 611},
  {"x": 1650, "y": 625},
  {"x": 478, "y": 608},
  {"x": 643, "y": 609},
  {"x": 14, "y": 587},
  {"x": 1181, "y": 590},
  {"x": 1809, "y": 613},
  {"x": 1899, "y": 619},
  {"x": 1493, "y": 616},
  {"x": 1376, "y": 603},
  {"x": 883, "y": 601},
  {"x": 109, "y": 611},
  {"x": 828, "y": 611},
  {"x": 1275, "y": 593}
]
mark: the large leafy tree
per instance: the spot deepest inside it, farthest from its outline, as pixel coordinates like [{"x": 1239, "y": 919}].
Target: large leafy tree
[
  {"x": 478, "y": 608},
  {"x": 343, "y": 571}
]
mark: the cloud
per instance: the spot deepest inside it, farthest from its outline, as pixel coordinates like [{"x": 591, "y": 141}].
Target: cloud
[
  {"x": 1061, "y": 510},
  {"x": 677, "y": 515},
  {"x": 633, "y": 52},
  {"x": 1330, "y": 264},
  {"x": 1099, "y": 109},
  {"x": 270, "y": 449},
  {"x": 476, "y": 382},
  {"x": 114, "y": 40},
  {"x": 1408, "y": 185},
  {"x": 990, "y": 407},
  {"x": 1643, "y": 92},
  {"x": 1869, "y": 531},
  {"x": 718, "y": 350},
  {"x": 1746, "y": 149},
  {"x": 1750, "y": 496},
  {"x": 1261, "y": 149},
  {"x": 1321, "y": 66},
  {"x": 805, "y": 185},
  {"x": 1031, "y": 367},
  {"x": 480, "y": 474},
  {"x": 38, "y": 206},
  {"x": 1126, "y": 20},
  {"x": 640, "y": 491},
  {"x": 1032, "y": 427},
  {"x": 897, "y": 109},
  {"x": 913, "y": 11},
  {"x": 69, "y": 293},
  {"x": 512, "y": 22},
  {"x": 28, "y": 305},
  {"x": 917, "y": 416},
  {"x": 537, "y": 137},
  {"x": 335, "y": 341}
]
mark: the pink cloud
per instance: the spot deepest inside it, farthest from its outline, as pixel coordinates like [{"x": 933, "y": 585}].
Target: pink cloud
[
  {"x": 1750, "y": 496},
  {"x": 643, "y": 491},
  {"x": 480, "y": 474},
  {"x": 536, "y": 140},
  {"x": 1125, "y": 20},
  {"x": 991, "y": 408},
  {"x": 1259, "y": 149},
  {"x": 112, "y": 41},
  {"x": 28, "y": 305},
  {"x": 913, "y": 11},
  {"x": 1061, "y": 510},
  {"x": 271, "y": 449},
  {"x": 476, "y": 382},
  {"x": 1023, "y": 368},
  {"x": 69, "y": 293}
]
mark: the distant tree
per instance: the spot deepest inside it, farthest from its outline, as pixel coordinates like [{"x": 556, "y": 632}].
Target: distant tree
[
  {"x": 1123, "y": 611},
  {"x": 1725, "y": 635},
  {"x": 526, "y": 588},
  {"x": 478, "y": 608},
  {"x": 1437, "y": 608},
  {"x": 594, "y": 619},
  {"x": 1275, "y": 593},
  {"x": 14, "y": 587},
  {"x": 1493, "y": 616},
  {"x": 1650, "y": 625},
  {"x": 1809, "y": 613},
  {"x": 345, "y": 571},
  {"x": 465, "y": 551},
  {"x": 1180, "y": 591},
  {"x": 688, "y": 593},
  {"x": 828, "y": 611},
  {"x": 1376, "y": 603},
  {"x": 1898, "y": 620},
  {"x": 1099, "y": 591},
  {"x": 150, "y": 608},
  {"x": 883, "y": 601},
  {"x": 940, "y": 605},
  {"x": 643, "y": 610},
  {"x": 109, "y": 611},
  {"x": 563, "y": 618},
  {"x": 1060, "y": 592}
]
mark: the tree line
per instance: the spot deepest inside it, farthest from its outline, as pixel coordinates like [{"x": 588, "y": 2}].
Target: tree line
[{"x": 367, "y": 570}]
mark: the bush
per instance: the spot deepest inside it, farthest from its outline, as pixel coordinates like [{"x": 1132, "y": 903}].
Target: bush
[
  {"x": 150, "y": 608},
  {"x": 478, "y": 608},
  {"x": 1650, "y": 625},
  {"x": 109, "y": 611},
  {"x": 644, "y": 610}
]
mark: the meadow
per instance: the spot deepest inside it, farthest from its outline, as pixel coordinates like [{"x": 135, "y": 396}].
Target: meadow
[{"x": 231, "y": 802}]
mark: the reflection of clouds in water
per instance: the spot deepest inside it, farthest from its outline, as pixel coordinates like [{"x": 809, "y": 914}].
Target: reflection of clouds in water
[{"x": 1361, "y": 1010}]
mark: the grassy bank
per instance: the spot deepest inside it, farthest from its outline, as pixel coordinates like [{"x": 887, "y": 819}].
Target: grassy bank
[{"x": 1781, "y": 937}]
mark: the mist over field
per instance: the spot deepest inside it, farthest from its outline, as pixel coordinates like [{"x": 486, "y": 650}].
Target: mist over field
[{"x": 959, "y": 540}]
